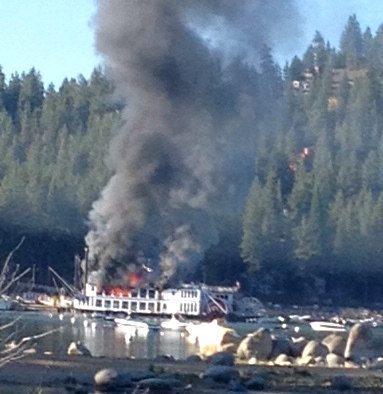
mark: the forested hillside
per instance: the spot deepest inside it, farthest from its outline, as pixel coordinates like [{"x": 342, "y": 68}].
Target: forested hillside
[
  {"x": 312, "y": 226},
  {"x": 52, "y": 164},
  {"x": 313, "y": 221}
]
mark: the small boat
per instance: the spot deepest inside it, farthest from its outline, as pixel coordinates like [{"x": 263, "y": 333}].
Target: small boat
[
  {"x": 173, "y": 324},
  {"x": 327, "y": 326},
  {"x": 136, "y": 323}
]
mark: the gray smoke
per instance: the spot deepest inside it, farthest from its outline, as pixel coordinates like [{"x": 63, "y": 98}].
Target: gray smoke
[{"x": 185, "y": 148}]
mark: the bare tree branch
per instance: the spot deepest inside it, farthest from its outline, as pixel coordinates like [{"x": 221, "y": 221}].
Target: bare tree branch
[
  {"x": 6, "y": 264},
  {"x": 13, "y": 280}
]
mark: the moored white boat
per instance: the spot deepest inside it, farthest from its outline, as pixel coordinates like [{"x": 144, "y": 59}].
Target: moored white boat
[
  {"x": 136, "y": 323},
  {"x": 173, "y": 324},
  {"x": 327, "y": 326}
]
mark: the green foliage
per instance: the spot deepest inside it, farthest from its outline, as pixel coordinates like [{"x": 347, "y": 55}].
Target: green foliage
[
  {"x": 315, "y": 207},
  {"x": 52, "y": 148},
  {"x": 331, "y": 184}
]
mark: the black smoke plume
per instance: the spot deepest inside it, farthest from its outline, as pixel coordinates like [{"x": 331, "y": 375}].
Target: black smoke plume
[{"x": 184, "y": 151}]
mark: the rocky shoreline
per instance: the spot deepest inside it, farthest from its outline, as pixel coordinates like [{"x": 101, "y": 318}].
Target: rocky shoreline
[{"x": 77, "y": 374}]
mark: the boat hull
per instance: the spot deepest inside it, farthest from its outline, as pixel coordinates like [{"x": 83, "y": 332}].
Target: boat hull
[
  {"x": 135, "y": 323},
  {"x": 324, "y": 326}
]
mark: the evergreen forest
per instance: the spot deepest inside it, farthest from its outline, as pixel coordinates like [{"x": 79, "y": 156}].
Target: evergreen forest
[{"x": 311, "y": 230}]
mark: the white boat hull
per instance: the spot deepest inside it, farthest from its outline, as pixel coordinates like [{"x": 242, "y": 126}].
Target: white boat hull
[
  {"x": 325, "y": 326},
  {"x": 134, "y": 323}
]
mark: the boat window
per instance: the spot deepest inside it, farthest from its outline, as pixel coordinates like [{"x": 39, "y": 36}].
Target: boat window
[
  {"x": 143, "y": 293},
  {"x": 133, "y": 306},
  {"x": 134, "y": 293},
  {"x": 151, "y": 293},
  {"x": 164, "y": 307},
  {"x": 125, "y": 305},
  {"x": 142, "y": 306},
  {"x": 116, "y": 304},
  {"x": 99, "y": 303},
  {"x": 151, "y": 306},
  {"x": 107, "y": 304}
]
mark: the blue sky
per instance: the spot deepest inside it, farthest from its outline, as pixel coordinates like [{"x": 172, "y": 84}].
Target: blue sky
[{"x": 56, "y": 36}]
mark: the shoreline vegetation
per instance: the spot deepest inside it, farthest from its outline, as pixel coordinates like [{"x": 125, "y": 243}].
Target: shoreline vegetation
[{"x": 76, "y": 374}]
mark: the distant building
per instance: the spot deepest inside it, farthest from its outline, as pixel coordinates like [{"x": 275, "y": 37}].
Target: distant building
[{"x": 304, "y": 85}]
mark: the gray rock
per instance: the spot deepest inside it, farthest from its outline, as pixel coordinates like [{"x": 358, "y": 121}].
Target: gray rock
[
  {"x": 314, "y": 349},
  {"x": 222, "y": 358},
  {"x": 334, "y": 360},
  {"x": 305, "y": 361},
  {"x": 236, "y": 386},
  {"x": 155, "y": 385},
  {"x": 258, "y": 344},
  {"x": 256, "y": 383},
  {"x": 221, "y": 373},
  {"x": 297, "y": 345},
  {"x": 78, "y": 349},
  {"x": 282, "y": 360},
  {"x": 281, "y": 345},
  {"x": 210, "y": 383},
  {"x": 358, "y": 340},
  {"x": 335, "y": 343},
  {"x": 136, "y": 376},
  {"x": 109, "y": 378},
  {"x": 341, "y": 383},
  {"x": 194, "y": 358}
]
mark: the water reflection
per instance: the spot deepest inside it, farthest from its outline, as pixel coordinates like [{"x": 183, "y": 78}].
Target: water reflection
[{"x": 102, "y": 338}]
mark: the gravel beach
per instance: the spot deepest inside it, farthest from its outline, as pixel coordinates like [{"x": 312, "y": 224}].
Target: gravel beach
[{"x": 76, "y": 374}]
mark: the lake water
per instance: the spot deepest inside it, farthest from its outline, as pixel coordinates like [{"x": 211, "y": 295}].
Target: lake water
[
  {"x": 100, "y": 337},
  {"x": 105, "y": 339}
]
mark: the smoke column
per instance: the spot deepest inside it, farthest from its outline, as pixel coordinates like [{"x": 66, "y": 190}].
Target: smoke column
[{"x": 178, "y": 156}]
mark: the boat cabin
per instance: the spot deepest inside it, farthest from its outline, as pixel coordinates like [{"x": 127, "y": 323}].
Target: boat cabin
[{"x": 142, "y": 300}]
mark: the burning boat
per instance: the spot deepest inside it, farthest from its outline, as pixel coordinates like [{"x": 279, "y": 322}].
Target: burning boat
[
  {"x": 138, "y": 296},
  {"x": 188, "y": 300}
]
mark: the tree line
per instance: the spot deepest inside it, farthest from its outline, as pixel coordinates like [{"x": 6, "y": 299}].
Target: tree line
[{"x": 312, "y": 225}]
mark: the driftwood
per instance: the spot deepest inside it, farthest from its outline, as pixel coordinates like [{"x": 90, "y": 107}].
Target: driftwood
[{"x": 7, "y": 279}]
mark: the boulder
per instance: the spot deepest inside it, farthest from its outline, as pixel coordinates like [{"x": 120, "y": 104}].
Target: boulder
[
  {"x": 110, "y": 379},
  {"x": 305, "y": 361},
  {"x": 78, "y": 349},
  {"x": 221, "y": 373},
  {"x": 155, "y": 385},
  {"x": 136, "y": 376},
  {"x": 335, "y": 343},
  {"x": 334, "y": 360},
  {"x": 211, "y": 337},
  {"x": 256, "y": 383},
  {"x": 258, "y": 344},
  {"x": 358, "y": 340},
  {"x": 314, "y": 349},
  {"x": 297, "y": 345},
  {"x": 222, "y": 358},
  {"x": 194, "y": 358},
  {"x": 281, "y": 345},
  {"x": 282, "y": 360}
]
